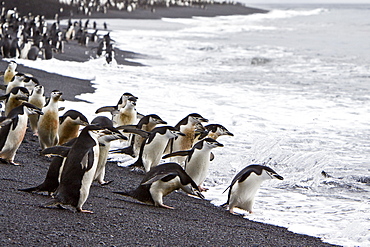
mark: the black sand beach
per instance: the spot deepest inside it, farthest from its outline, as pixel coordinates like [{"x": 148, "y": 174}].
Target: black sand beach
[{"x": 117, "y": 221}]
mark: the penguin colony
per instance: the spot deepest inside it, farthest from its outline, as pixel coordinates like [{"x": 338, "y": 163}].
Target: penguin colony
[
  {"x": 29, "y": 37},
  {"x": 80, "y": 149}
]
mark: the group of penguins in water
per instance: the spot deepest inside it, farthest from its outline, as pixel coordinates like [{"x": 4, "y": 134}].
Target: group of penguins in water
[{"x": 79, "y": 156}]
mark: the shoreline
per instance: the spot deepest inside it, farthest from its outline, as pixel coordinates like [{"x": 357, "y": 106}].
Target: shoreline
[{"x": 117, "y": 220}]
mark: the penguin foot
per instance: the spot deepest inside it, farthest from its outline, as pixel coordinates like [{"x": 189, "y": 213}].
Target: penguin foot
[
  {"x": 165, "y": 206},
  {"x": 80, "y": 210},
  {"x": 103, "y": 183},
  {"x": 14, "y": 164},
  {"x": 202, "y": 189}
]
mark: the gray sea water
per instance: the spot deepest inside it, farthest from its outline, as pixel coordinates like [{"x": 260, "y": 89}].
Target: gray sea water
[{"x": 293, "y": 86}]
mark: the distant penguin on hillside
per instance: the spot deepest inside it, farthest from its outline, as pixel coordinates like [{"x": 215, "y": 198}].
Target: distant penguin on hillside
[
  {"x": 12, "y": 134},
  {"x": 245, "y": 184},
  {"x": 161, "y": 181},
  {"x": 48, "y": 124},
  {"x": 198, "y": 160}
]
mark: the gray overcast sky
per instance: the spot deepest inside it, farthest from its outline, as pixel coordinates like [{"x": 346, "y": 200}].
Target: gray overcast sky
[{"x": 304, "y": 1}]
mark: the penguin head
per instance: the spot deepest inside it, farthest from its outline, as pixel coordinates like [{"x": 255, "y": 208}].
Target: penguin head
[
  {"x": 38, "y": 89},
  {"x": 19, "y": 77},
  {"x": 267, "y": 173},
  {"x": 131, "y": 101},
  {"x": 20, "y": 93},
  {"x": 217, "y": 130},
  {"x": 56, "y": 95},
  {"x": 30, "y": 81},
  {"x": 212, "y": 143},
  {"x": 172, "y": 132},
  {"x": 76, "y": 118},
  {"x": 12, "y": 65},
  {"x": 155, "y": 119},
  {"x": 196, "y": 118},
  {"x": 31, "y": 109}
]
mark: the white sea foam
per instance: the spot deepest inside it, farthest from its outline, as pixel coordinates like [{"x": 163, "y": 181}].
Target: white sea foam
[{"x": 302, "y": 110}]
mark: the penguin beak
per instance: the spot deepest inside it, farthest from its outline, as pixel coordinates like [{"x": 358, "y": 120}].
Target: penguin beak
[
  {"x": 229, "y": 133},
  {"x": 278, "y": 176},
  {"x": 180, "y": 134},
  {"x": 219, "y": 144},
  {"x": 24, "y": 98}
]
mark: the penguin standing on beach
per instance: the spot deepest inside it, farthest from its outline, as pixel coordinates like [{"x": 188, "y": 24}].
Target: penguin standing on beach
[
  {"x": 79, "y": 167},
  {"x": 37, "y": 98},
  {"x": 127, "y": 115},
  {"x": 16, "y": 81},
  {"x": 198, "y": 160},
  {"x": 10, "y": 72},
  {"x": 245, "y": 184},
  {"x": 104, "y": 146},
  {"x": 115, "y": 109},
  {"x": 69, "y": 125},
  {"x": 12, "y": 134},
  {"x": 188, "y": 126},
  {"x": 213, "y": 131},
  {"x": 15, "y": 98},
  {"x": 161, "y": 181},
  {"x": 48, "y": 124},
  {"x": 53, "y": 175},
  {"x": 146, "y": 123},
  {"x": 153, "y": 147}
]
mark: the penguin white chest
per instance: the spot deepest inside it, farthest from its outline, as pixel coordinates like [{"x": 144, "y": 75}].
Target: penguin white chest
[
  {"x": 198, "y": 166},
  {"x": 242, "y": 194},
  {"x": 15, "y": 138},
  {"x": 153, "y": 151},
  {"x": 159, "y": 189}
]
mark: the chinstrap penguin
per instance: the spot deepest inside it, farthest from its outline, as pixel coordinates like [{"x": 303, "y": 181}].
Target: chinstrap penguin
[
  {"x": 245, "y": 184},
  {"x": 161, "y": 181}
]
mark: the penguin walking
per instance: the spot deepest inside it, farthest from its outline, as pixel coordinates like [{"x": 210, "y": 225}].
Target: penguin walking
[
  {"x": 79, "y": 167},
  {"x": 12, "y": 134},
  {"x": 146, "y": 123},
  {"x": 198, "y": 160},
  {"x": 187, "y": 126},
  {"x": 127, "y": 115},
  {"x": 213, "y": 131},
  {"x": 48, "y": 124},
  {"x": 37, "y": 98},
  {"x": 69, "y": 125},
  {"x": 115, "y": 109},
  {"x": 53, "y": 175},
  {"x": 153, "y": 147},
  {"x": 161, "y": 181},
  {"x": 15, "y": 98},
  {"x": 10, "y": 72},
  {"x": 104, "y": 146},
  {"x": 245, "y": 184}
]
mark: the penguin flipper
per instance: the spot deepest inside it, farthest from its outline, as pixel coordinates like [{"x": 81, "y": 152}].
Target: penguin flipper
[
  {"x": 177, "y": 153},
  {"x": 4, "y": 97},
  {"x": 212, "y": 156},
  {"x": 5, "y": 121},
  {"x": 133, "y": 130},
  {"x": 106, "y": 109},
  {"x": 60, "y": 151},
  {"x": 156, "y": 177}
]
